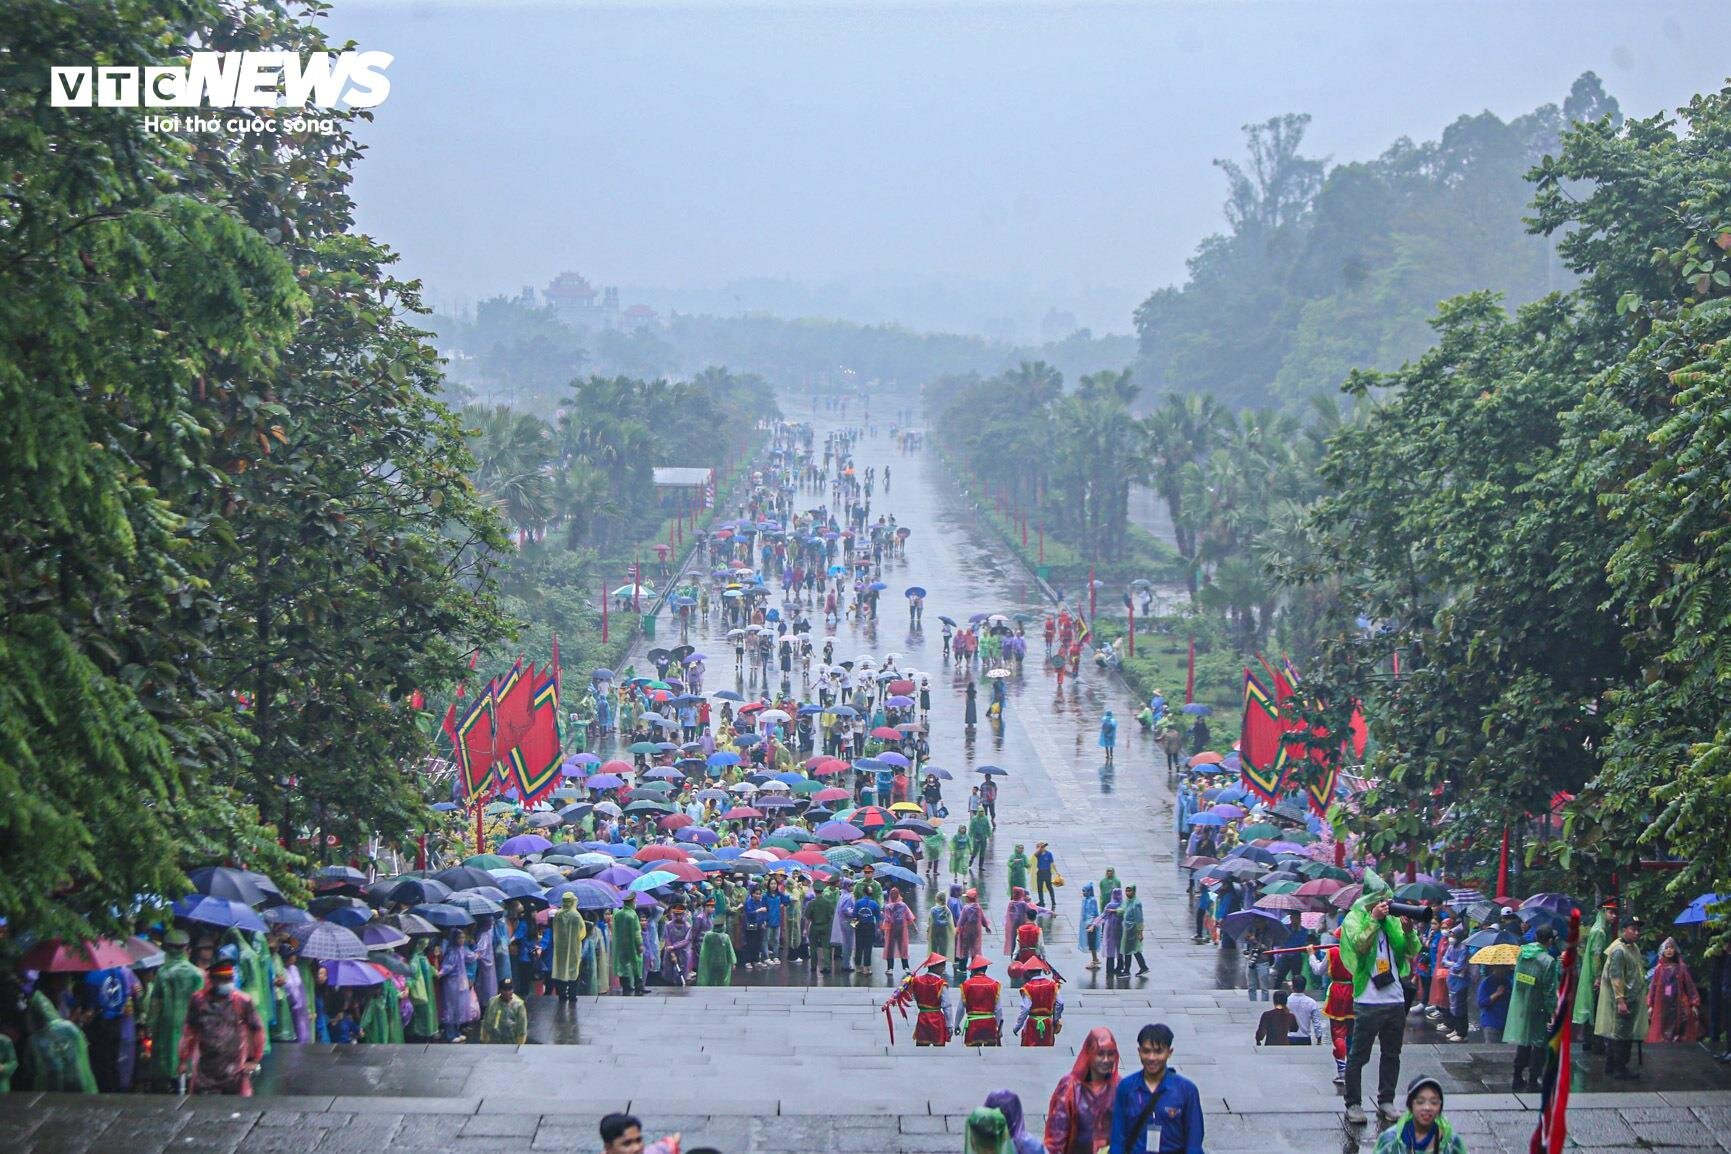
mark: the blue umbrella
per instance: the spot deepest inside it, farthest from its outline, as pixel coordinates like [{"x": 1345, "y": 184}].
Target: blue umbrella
[
  {"x": 870, "y": 763},
  {"x": 444, "y": 916},
  {"x": 938, "y": 772},
  {"x": 287, "y": 916},
  {"x": 1696, "y": 912},
  {"x": 1196, "y": 707},
  {"x": 724, "y": 758},
  {"x": 728, "y": 853},
  {"x": 914, "y": 591},
  {"x": 843, "y": 711},
  {"x": 601, "y": 674},
  {"x": 898, "y": 873},
  {"x": 591, "y": 895},
  {"x": 1207, "y": 819},
  {"x": 1235, "y": 924},
  {"x": 993, "y": 771},
  {"x": 444, "y": 806},
  {"x": 698, "y": 835},
  {"x": 877, "y": 585},
  {"x": 211, "y": 911},
  {"x": 747, "y": 739},
  {"x": 349, "y": 917},
  {"x": 606, "y": 781}
]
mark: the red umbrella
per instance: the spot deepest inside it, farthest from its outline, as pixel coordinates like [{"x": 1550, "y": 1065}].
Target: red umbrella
[
  {"x": 871, "y": 817},
  {"x": 1343, "y": 897},
  {"x": 750, "y": 707},
  {"x": 813, "y": 763},
  {"x": 833, "y": 793},
  {"x": 674, "y": 821},
  {"x": 663, "y": 852},
  {"x": 740, "y": 813},
  {"x": 617, "y": 766},
  {"x": 683, "y": 870},
  {"x": 830, "y": 769},
  {"x": 901, "y": 685},
  {"x": 1319, "y": 888},
  {"x": 904, "y": 835},
  {"x": 810, "y": 857},
  {"x": 886, "y": 733},
  {"x": 58, "y": 957}
]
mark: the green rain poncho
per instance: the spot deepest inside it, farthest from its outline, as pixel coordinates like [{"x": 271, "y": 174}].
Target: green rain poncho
[
  {"x": 715, "y": 959},
  {"x": 1107, "y": 884},
  {"x": 1592, "y": 955},
  {"x": 821, "y": 915},
  {"x": 1624, "y": 969},
  {"x": 603, "y": 957},
  {"x": 940, "y": 928},
  {"x": 505, "y": 1023},
  {"x": 1018, "y": 864},
  {"x": 979, "y": 827},
  {"x": 569, "y": 930},
  {"x": 1131, "y": 941},
  {"x": 1534, "y": 998},
  {"x": 56, "y": 1055},
  {"x": 933, "y": 848},
  {"x": 1358, "y": 935},
  {"x": 8, "y": 1064},
  {"x": 423, "y": 992},
  {"x": 382, "y": 1020},
  {"x": 165, "y": 1012},
  {"x": 960, "y": 849},
  {"x": 987, "y": 1133},
  {"x": 628, "y": 945},
  {"x": 252, "y": 974}
]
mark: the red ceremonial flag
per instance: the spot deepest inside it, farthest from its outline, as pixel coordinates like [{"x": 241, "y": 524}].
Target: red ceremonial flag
[
  {"x": 473, "y": 742},
  {"x": 1360, "y": 731},
  {"x": 1261, "y": 742},
  {"x": 513, "y": 714},
  {"x": 535, "y": 762},
  {"x": 1553, "y": 1125}
]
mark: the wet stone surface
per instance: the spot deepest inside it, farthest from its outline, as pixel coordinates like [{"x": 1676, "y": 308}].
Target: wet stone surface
[{"x": 787, "y": 1060}]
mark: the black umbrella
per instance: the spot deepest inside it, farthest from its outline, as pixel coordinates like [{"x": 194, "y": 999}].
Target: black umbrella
[
  {"x": 235, "y": 885},
  {"x": 413, "y": 925},
  {"x": 464, "y": 877},
  {"x": 444, "y": 916},
  {"x": 418, "y": 891}
]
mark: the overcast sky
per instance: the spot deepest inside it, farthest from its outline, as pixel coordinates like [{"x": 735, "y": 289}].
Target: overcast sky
[{"x": 944, "y": 165}]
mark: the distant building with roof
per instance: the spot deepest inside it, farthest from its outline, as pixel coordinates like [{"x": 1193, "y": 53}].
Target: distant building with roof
[{"x": 578, "y": 302}]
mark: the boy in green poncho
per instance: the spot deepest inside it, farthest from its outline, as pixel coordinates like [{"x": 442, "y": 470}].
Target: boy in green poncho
[
  {"x": 932, "y": 847},
  {"x": 56, "y": 1056},
  {"x": 715, "y": 959},
  {"x": 1592, "y": 955},
  {"x": 1531, "y": 1005},
  {"x": 589, "y": 973},
  {"x": 506, "y": 1022},
  {"x": 423, "y": 993},
  {"x": 1422, "y": 1127},
  {"x": 1377, "y": 949},
  {"x": 1018, "y": 865},
  {"x": 165, "y": 1008},
  {"x": 960, "y": 852},
  {"x": 628, "y": 948}
]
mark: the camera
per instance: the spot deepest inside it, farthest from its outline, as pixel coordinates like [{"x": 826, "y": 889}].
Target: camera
[{"x": 1418, "y": 913}]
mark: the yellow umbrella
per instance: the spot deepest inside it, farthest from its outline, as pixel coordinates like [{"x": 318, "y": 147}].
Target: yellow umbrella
[
  {"x": 905, "y": 807},
  {"x": 1499, "y": 955}
]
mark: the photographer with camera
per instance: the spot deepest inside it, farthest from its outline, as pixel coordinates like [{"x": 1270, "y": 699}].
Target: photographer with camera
[{"x": 1377, "y": 944}]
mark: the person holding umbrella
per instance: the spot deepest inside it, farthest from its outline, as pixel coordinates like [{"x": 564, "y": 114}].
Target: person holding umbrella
[{"x": 457, "y": 1005}]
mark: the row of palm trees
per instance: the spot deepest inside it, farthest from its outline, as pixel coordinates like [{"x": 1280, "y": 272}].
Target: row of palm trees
[{"x": 1237, "y": 485}]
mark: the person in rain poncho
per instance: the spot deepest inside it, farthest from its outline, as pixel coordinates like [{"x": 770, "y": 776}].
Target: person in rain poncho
[
  {"x": 1079, "y": 1115},
  {"x": 677, "y": 939},
  {"x": 483, "y": 954},
  {"x": 294, "y": 1021},
  {"x": 252, "y": 973},
  {"x": 970, "y": 927},
  {"x": 1088, "y": 932},
  {"x": 1531, "y": 1004},
  {"x": 932, "y": 849},
  {"x": 716, "y": 959},
  {"x": 1108, "y": 735},
  {"x": 986, "y": 1132},
  {"x": 1378, "y": 949},
  {"x": 960, "y": 851},
  {"x": 1007, "y": 1103},
  {"x": 165, "y": 1008},
  {"x": 979, "y": 835},
  {"x": 1673, "y": 1002},
  {"x": 1112, "y": 929},
  {"x": 1130, "y": 944},
  {"x": 56, "y": 1056},
  {"x": 1592, "y": 955},
  {"x": 506, "y": 1022},
  {"x": 1422, "y": 1129},
  {"x": 821, "y": 923},
  {"x": 841, "y": 929},
  {"x": 628, "y": 949},
  {"x": 569, "y": 930},
  {"x": 423, "y": 994},
  {"x": 940, "y": 929},
  {"x": 898, "y": 922},
  {"x": 1622, "y": 1009},
  {"x": 1018, "y": 867},
  {"x": 456, "y": 994},
  {"x": 224, "y": 1039}
]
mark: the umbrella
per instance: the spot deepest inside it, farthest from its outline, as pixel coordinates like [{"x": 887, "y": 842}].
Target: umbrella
[
  {"x": 1289, "y": 902},
  {"x": 493, "y": 861},
  {"x": 605, "y": 781},
  {"x": 1240, "y": 868},
  {"x": 1343, "y": 897},
  {"x": 221, "y": 912},
  {"x": 443, "y": 915},
  {"x": 524, "y": 844},
  {"x": 58, "y": 957},
  {"x": 342, "y": 972},
  {"x": 323, "y": 941},
  {"x": 418, "y": 891},
  {"x": 591, "y": 895},
  {"x": 464, "y": 877},
  {"x": 601, "y": 675},
  {"x": 838, "y": 831},
  {"x": 1559, "y": 904},
  {"x": 1197, "y": 708},
  {"x": 1253, "y": 853},
  {"x": 1207, "y": 819},
  {"x": 382, "y": 936},
  {"x": 474, "y": 903},
  {"x": 1198, "y": 861},
  {"x": 1491, "y": 937},
  {"x": 1696, "y": 912},
  {"x": 653, "y": 880},
  {"x": 1207, "y": 757},
  {"x": 993, "y": 771},
  {"x": 1236, "y": 924},
  {"x": 898, "y": 873},
  {"x": 413, "y": 925},
  {"x": 1502, "y": 954},
  {"x": 285, "y": 916},
  {"x": 1430, "y": 892},
  {"x": 1319, "y": 888},
  {"x": 340, "y": 875},
  {"x": 914, "y": 591},
  {"x": 249, "y": 889},
  {"x": 939, "y": 773},
  {"x": 544, "y": 820},
  {"x": 741, "y": 813}
]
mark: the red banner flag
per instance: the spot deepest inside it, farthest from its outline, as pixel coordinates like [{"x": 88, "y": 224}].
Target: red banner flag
[
  {"x": 1261, "y": 742},
  {"x": 513, "y": 714},
  {"x": 1553, "y": 1126},
  {"x": 474, "y": 744},
  {"x": 535, "y": 762}
]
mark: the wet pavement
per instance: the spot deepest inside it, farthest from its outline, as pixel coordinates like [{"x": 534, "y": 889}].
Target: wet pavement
[{"x": 786, "y": 1060}]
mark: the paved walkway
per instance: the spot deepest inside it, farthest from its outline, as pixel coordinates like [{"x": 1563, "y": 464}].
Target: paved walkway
[{"x": 767, "y": 1064}]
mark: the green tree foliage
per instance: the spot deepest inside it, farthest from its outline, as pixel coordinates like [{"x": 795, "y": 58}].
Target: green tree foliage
[
  {"x": 1320, "y": 275},
  {"x": 236, "y": 520}
]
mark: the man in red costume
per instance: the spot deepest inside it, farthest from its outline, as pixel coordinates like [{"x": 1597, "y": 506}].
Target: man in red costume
[
  {"x": 980, "y": 1020},
  {"x": 1079, "y": 1116},
  {"x": 1338, "y": 1009},
  {"x": 929, "y": 994},
  {"x": 1042, "y": 1013}
]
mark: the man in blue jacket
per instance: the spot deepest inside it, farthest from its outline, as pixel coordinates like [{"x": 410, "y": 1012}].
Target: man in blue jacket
[{"x": 1159, "y": 1112}]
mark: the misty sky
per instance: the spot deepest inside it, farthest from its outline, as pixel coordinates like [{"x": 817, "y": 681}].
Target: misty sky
[{"x": 942, "y": 165}]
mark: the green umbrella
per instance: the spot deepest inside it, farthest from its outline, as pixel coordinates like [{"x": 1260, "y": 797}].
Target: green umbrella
[
  {"x": 641, "y": 747},
  {"x": 649, "y": 807},
  {"x": 1280, "y": 887},
  {"x": 1258, "y": 829},
  {"x": 807, "y": 788},
  {"x": 785, "y": 843},
  {"x": 501, "y": 807},
  {"x": 657, "y": 786},
  {"x": 1321, "y": 870},
  {"x": 488, "y": 861},
  {"x": 1298, "y": 836}
]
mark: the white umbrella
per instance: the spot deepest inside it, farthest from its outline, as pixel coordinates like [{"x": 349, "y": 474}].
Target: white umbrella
[
  {"x": 742, "y": 787},
  {"x": 759, "y": 855},
  {"x": 775, "y": 787},
  {"x": 997, "y": 673},
  {"x": 773, "y": 716},
  {"x": 608, "y": 808}
]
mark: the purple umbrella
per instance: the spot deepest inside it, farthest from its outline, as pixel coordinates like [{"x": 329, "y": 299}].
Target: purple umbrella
[
  {"x": 898, "y": 701},
  {"x": 1236, "y": 924},
  {"x": 617, "y": 875},
  {"x": 591, "y": 894},
  {"x": 838, "y": 831},
  {"x": 379, "y": 936},
  {"x": 893, "y": 758},
  {"x": 1227, "y": 810},
  {"x": 605, "y": 781},
  {"x": 342, "y": 972},
  {"x": 697, "y": 834},
  {"x": 524, "y": 844},
  {"x": 1280, "y": 847}
]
